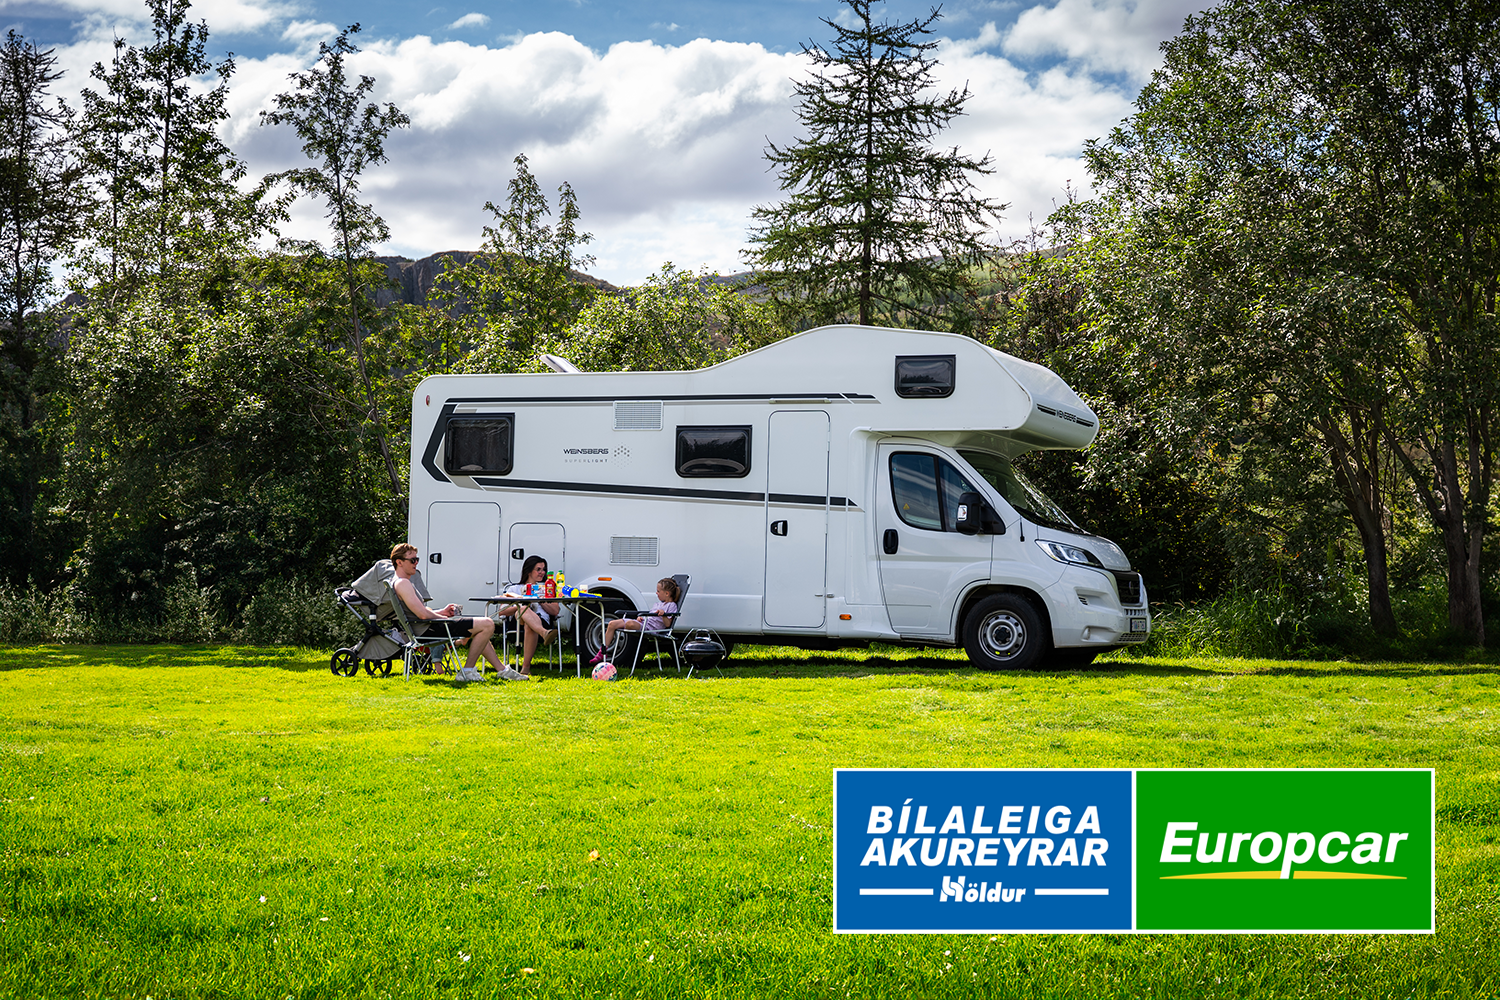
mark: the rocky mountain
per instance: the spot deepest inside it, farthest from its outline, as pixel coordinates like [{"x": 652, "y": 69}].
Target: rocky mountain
[{"x": 414, "y": 279}]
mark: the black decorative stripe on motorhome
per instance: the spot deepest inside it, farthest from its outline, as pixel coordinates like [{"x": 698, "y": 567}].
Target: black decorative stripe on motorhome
[
  {"x": 440, "y": 426},
  {"x": 682, "y": 398},
  {"x": 429, "y": 454},
  {"x": 624, "y": 489}
]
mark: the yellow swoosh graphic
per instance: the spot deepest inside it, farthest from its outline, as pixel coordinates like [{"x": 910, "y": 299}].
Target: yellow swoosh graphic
[{"x": 1274, "y": 873}]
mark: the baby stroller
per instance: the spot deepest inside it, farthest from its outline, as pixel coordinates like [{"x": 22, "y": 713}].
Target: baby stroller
[{"x": 388, "y": 636}]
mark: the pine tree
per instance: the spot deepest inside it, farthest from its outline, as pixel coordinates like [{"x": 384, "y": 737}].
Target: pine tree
[
  {"x": 42, "y": 198},
  {"x": 877, "y": 224}
]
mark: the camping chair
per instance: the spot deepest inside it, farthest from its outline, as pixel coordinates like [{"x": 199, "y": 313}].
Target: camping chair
[
  {"x": 423, "y": 654},
  {"x": 664, "y": 635}
]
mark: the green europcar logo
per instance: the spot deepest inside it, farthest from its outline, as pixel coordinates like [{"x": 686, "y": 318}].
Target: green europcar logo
[{"x": 1284, "y": 850}]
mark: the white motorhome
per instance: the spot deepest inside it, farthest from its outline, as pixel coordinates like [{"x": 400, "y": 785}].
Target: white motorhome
[{"x": 845, "y": 485}]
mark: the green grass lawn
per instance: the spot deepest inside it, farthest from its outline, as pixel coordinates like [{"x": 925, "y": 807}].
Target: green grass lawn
[{"x": 230, "y": 822}]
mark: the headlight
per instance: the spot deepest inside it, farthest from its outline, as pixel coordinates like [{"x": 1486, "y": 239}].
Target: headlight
[{"x": 1065, "y": 553}]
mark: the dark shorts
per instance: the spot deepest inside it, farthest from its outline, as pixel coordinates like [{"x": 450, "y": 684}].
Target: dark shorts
[{"x": 452, "y": 628}]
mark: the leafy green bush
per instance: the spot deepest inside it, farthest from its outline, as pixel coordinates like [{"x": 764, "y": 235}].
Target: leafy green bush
[
  {"x": 297, "y": 613},
  {"x": 1281, "y": 623},
  {"x": 294, "y": 613},
  {"x": 29, "y": 615}
]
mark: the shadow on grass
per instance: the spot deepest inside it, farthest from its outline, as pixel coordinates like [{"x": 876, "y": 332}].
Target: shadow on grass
[
  {"x": 135, "y": 657},
  {"x": 764, "y": 662}
]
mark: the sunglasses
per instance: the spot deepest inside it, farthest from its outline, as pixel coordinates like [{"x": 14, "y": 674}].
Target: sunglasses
[{"x": 414, "y": 559}]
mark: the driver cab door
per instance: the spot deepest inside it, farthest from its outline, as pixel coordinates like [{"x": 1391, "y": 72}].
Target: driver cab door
[{"x": 925, "y": 563}]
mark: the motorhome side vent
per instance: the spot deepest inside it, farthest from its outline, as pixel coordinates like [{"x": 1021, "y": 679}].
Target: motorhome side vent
[
  {"x": 637, "y": 415},
  {"x": 632, "y": 551},
  {"x": 479, "y": 446},
  {"x": 925, "y": 376}
]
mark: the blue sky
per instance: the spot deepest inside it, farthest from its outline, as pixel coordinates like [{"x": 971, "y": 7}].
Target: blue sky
[{"x": 656, "y": 113}]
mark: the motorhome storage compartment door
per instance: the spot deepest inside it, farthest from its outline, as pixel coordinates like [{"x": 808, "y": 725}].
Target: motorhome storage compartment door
[
  {"x": 797, "y": 519},
  {"x": 534, "y": 538},
  {"x": 463, "y": 552}
]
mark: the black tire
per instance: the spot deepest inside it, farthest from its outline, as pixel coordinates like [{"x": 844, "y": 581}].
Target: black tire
[
  {"x": 381, "y": 667},
  {"x": 1004, "y": 632},
  {"x": 1071, "y": 658},
  {"x": 344, "y": 663}
]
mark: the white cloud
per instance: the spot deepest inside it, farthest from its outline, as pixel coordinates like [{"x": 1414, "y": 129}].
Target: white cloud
[
  {"x": 1034, "y": 127},
  {"x": 471, "y": 20},
  {"x": 664, "y": 143},
  {"x": 1101, "y": 36},
  {"x": 223, "y": 16}
]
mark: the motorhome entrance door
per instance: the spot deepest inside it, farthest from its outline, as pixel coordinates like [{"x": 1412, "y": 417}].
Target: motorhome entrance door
[
  {"x": 536, "y": 538},
  {"x": 463, "y": 553},
  {"x": 797, "y": 519}
]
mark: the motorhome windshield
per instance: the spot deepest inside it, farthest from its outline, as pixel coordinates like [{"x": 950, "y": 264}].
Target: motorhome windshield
[{"x": 1018, "y": 492}]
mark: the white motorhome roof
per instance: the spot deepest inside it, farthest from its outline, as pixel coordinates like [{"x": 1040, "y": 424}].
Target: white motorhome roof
[{"x": 993, "y": 391}]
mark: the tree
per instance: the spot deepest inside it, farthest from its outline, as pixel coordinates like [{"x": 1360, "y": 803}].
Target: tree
[
  {"x": 877, "y": 224},
  {"x": 677, "y": 320},
  {"x": 41, "y": 204},
  {"x": 1299, "y": 230},
  {"x": 41, "y": 189},
  {"x": 216, "y": 448},
  {"x": 520, "y": 287},
  {"x": 170, "y": 210},
  {"x": 343, "y": 135}
]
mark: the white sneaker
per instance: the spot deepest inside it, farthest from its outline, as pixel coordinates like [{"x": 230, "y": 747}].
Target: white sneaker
[
  {"x": 469, "y": 675},
  {"x": 510, "y": 673}
]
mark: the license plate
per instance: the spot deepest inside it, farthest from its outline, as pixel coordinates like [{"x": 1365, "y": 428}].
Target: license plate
[{"x": 1137, "y": 624}]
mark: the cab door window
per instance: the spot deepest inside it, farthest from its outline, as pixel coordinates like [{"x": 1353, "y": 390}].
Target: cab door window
[
  {"x": 925, "y": 489},
  {"x": 915, "y": 490}
]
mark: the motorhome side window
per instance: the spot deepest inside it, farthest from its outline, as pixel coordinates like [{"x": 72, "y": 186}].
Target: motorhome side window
[
  {"x": 713, "y": 452},
  {"x": 924, "y": 376},
  {"x": 926, "y": 489},
  {"x": 479, "y": 446}
]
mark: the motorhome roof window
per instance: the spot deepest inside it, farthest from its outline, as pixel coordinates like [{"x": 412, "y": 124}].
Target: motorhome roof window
[
  {"x": 479, "y": 446},
  {"x": 925, "y": 375},
  {"x": 713, "y": 452}
]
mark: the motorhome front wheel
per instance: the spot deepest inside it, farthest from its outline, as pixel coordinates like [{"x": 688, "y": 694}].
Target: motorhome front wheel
[{"x": 1003, "y": 632}]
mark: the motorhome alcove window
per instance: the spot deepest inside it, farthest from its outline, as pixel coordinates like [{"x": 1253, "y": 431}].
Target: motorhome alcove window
[
  {"x": 923, "y": 376},
  {"x": 713, "y": 452},
  {"x": 479, "y": 446},
  {"x": 926, "y": 489}
]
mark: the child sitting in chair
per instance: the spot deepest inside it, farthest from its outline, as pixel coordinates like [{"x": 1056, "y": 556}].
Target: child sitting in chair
[{"x": 659, "y": 617}]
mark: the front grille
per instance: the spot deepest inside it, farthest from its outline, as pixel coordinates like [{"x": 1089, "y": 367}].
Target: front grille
[
  {"x": 1134, "y": 636},
  {"x": 1129, "y": 586}
]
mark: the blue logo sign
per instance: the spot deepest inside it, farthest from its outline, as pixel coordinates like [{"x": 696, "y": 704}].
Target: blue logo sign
[{"x": 927, "y": 851}]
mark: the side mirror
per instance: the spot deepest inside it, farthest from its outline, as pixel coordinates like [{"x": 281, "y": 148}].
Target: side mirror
[{"x": 976, "y": 516}]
